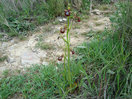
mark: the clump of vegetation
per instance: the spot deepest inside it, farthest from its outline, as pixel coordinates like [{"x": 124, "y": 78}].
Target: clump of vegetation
[
  {"x": 44, "y": 46},
  {"x": 24, "y": 16},
  {"x": 108, "y": 62},
  {"x": 98, "y": 23},
  {"x": 66, "y": 56},
  {"x": 38, "y": 82},
  {"x": 1, "y": 36},
  {"x": 104, "y": 7},
  {"x": 104, "y": 1},
  {"x": 3, "y": 58}
]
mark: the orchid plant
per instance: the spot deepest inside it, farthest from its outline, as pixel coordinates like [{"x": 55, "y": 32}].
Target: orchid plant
[{"x": 65, "y": 35}]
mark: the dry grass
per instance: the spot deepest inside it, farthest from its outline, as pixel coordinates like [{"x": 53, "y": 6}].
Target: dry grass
[{"x": 98, "y": 23}]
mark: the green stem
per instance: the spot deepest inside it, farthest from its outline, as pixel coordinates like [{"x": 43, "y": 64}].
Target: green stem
[
  {"x": 68, "y": 51},
  {"x": 64, "y": 39},
  {"x": 69, "y": 71},
  {"x": 65, "y": 65},
  {"x": 68, "y": 30}
]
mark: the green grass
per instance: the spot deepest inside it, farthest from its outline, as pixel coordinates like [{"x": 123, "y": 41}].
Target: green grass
[
  {"x": 26, "y": 15},
  {"x": 39, "y": 82},
  {"x": 104, "y": 7},
  {"x": 105, "y": 63},
  {"x": 5, "y": 73},
  {"x": 1, "y": 36}
]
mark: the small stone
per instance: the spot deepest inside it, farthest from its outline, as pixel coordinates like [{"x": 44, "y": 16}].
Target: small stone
[
  {"x": 61, "y": 19},
  {"x": 64, "y": 19},
  {"x": 10, "y": 60},
  {"x": 96, "y": 11},
  {"x": 12, "y": 41}
]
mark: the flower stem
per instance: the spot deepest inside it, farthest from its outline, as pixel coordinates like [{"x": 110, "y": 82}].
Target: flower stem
[
  {"x": 65, "y": 65},
  {"x": 68, "y": 51}
]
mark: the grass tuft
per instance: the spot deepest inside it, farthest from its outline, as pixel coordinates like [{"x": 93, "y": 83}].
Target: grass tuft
[{"x": 44, "y": 46}]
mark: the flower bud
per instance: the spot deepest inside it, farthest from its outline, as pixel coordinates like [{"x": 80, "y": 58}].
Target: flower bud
[
  {"x": 73, "y": 52},
  {"x": 79, "y": 20},
  {"x": 60, "y": 58},
  {"x": 62, "y": 30},
  {"x": 69, "y": 8}
]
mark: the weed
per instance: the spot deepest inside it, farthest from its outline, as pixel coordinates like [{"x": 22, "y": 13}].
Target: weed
[
  {"x": 55, "y": 7},
  {"x": 85, "y": 16},
  {"x": 104, "y": 1},
  {"x": 76, "y": 26},
  {"x": 86, "y": 4},
  {"x": 99, "y": 31},
  {"x": 21, "y": 37},
  {"x": 5, "y": 73},
  {"x": 104, "y": 7},
  {"x": 1, "y": 36},
  {"x": 56, "y": 22},
  {"x": 98, "y": 23},
  {"x": 47, "y": 28}
]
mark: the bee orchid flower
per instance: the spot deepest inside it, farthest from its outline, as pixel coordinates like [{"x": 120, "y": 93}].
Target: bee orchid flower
[{"x": 67, "y": 12}]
